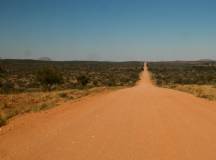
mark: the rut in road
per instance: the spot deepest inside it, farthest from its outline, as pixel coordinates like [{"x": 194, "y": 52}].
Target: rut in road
[{"x": 139, "y": 123}]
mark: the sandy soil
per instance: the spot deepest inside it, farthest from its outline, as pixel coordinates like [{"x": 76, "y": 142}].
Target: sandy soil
[{"x": 139, "y": 123}]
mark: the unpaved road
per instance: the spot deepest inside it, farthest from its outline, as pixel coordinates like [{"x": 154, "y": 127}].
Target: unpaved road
[{"x": 140, "y": 123}]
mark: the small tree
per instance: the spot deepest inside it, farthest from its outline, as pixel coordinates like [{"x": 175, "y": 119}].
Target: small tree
[
  {"x": 2, "y": 72},
  {"x": 49, "y": 76},
  {"x": 2, "y": 121},
  {"x": 6, "y": 86},
  {"x": 83, "y": 80}
]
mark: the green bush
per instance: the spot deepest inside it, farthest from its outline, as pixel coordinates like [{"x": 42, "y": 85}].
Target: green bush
[
  {"x": 2, "y": 71},
  {"x": 83, "y": 80},
  {"x": 6, "y": 87},
  {"x": 63, "y": 95},
  {"x": 110, "y": 82},
  {"x": 49, "y": 76},
  {"x": 2, "y": 121}
]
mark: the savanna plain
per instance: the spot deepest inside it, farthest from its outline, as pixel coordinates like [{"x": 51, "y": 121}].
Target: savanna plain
[{"x": 107, "y": 110}]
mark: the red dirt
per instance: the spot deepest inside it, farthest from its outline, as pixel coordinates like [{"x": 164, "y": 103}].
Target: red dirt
[{"x": 143, "y": 122}]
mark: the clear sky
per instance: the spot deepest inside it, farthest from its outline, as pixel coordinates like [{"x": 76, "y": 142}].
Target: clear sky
[{"x": 108, "y": 29}]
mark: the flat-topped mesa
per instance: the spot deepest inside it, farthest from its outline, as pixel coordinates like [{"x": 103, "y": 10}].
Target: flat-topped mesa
[{"x": 145, "y": 78}]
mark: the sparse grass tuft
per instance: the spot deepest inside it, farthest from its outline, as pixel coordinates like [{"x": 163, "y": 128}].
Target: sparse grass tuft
[{"x": 40, "y": 107}]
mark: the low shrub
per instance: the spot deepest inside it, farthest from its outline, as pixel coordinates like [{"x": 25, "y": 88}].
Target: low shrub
[
  {"x": 2, "y": 121},
  {"x": 63, "y": 95},
  {"x": 40, "y": 107},
  {"x": 49, "y": 76},
  {"x": 6, "y": 87},
  {"x": 83, "y": 80}
]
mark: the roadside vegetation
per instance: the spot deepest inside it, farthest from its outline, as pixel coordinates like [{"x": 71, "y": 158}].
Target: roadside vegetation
[
  {"x": 32, "y": 75},
  {"x": 198, "y": 77},
  {"x": 16, "y": 104},
  {"x": 29, "y": 86}
]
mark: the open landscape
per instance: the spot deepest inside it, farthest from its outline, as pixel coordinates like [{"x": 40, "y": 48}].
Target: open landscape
[
  {"x": 196, "y": 77},
  {"x": 35, "y": 75},
  {"x": 140, "y": 122},
  {"x": 107, "y": 80},
  {"x": 31, "y": 85}
]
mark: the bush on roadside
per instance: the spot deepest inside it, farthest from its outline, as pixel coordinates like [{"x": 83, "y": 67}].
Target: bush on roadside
[
  {"x": 2, "y": 71},
  {"x": 63, "y": 95},
  {"x": 6, "y": 87},
  {"x": 83, "y": 80},
  {"x": 49, "y": 76},
  {"x": 2, "y": 121},
  {"x": 110, "y": 82}
]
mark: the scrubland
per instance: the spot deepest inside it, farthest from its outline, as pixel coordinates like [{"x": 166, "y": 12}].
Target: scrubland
[
  {"x": 29, "y": 85},
  {"x": 198, "y": 77}
]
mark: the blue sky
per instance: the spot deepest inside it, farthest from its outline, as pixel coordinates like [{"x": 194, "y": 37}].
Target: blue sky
[{"x": 116, "y": 30}]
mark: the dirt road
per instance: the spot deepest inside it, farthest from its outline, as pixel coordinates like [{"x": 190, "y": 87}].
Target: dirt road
[{"x": 139, "y": 123}]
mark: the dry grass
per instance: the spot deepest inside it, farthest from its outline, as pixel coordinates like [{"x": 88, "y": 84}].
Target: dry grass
[
  {"x": 203, "y": 91},
  {"x": 16, "y": 104}
]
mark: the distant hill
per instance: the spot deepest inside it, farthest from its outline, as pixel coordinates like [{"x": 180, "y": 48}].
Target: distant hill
[
  {"x": 206, "y": 60},
  {"x": 44, "y": 59}
]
